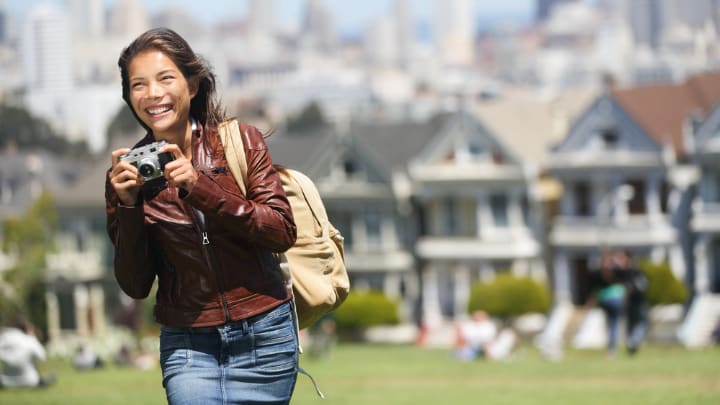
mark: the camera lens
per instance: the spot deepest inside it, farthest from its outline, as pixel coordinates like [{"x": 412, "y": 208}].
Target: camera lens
[{"x": 146, "y": 170}]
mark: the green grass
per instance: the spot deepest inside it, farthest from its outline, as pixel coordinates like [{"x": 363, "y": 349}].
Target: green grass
[{"x": 360, "y": 374}]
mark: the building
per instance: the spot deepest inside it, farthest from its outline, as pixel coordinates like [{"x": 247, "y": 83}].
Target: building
[{"x": 627, "y": 185}]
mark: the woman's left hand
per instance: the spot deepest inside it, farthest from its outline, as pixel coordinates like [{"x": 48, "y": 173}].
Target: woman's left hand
[{"x": 180, "y": 172}]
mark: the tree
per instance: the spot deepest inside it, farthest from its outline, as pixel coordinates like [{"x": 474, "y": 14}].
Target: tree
[
  {"x": 29, "y": 238},
  {"x": 311, "y": 117},
  {"x": 663, "y": 287},
  {"x": 20, "y": 128}
]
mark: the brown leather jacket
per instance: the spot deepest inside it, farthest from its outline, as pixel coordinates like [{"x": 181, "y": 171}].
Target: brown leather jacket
[{"x": 211, "y": 249}]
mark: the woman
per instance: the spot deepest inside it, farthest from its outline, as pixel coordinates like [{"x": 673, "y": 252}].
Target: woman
[{"x": 228, "y": 332}]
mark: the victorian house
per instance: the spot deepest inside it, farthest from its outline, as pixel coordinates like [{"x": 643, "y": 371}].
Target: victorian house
[
  {"x": 627, "y": 184},
  {"x": 703, "y": 144}
]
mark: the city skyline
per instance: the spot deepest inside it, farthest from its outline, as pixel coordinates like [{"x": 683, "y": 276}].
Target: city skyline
[{"x": 351, "y": 17}]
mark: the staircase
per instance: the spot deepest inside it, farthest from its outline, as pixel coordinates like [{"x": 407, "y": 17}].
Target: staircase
[{"x": 700, "y": 321}]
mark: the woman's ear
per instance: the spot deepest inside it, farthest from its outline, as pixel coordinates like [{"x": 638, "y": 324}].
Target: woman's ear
[{"x": 193, "y": 85}]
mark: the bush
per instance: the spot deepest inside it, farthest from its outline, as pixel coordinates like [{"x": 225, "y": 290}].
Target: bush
[
  {"x": 508, "y": 296},
  {"x": 364, "y": 309},
  {"x": 663, "y": 287}
]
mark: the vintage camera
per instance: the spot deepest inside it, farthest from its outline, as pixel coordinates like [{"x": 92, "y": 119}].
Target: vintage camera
[{"x": 149, "y": 160}]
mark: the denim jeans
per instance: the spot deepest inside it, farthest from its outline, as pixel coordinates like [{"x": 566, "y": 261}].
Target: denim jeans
[
  {"x": 613, "y": 309},
  {"x": 254, "y": 361}
]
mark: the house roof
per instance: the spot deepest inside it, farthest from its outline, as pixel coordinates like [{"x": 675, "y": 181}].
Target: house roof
[
  {"x": 663, "y": 109},
  {"x": 529, "y": 127}
]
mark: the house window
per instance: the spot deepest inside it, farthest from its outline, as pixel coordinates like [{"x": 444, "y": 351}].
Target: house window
[
  {"x": 610, "y": 138},
  {"x": 664, "y": 195},
  {"x": 373, "y": 228},
  {"x": 499, "y": 208},
  {"x": 582, "y": 199},
  {"x": 450, "y": 217},
  {"x": 350, "y": 168},
  {"x": 66, "y": 304},
  {"x": 636, "y": 205}
]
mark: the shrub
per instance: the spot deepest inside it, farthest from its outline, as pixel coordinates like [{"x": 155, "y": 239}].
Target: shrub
[
  {"x": 364, "y": 309},
  {"x": 508, "y": 296},
  {"x": 663, "y": 286}
]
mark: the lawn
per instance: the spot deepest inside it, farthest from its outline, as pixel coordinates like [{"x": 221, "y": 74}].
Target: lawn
[{"x": 363, "y": 374}]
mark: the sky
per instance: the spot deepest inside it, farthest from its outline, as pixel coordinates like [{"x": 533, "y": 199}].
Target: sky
[{"x": 352, "y": 15}]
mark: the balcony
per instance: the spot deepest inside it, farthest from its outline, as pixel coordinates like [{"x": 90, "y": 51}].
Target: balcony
[
  {"x": 588, "y": 232},
  {"x": 74, "y": 266},
  {"x": 385, "y": 261},
  {"x": 502, "y": 246},
  {"x": 706, "y": 217},
  {"x": 597, "y": 160}
]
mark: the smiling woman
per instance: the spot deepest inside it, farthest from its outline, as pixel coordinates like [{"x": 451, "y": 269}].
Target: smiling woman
[{"x": 227, "y": 336}]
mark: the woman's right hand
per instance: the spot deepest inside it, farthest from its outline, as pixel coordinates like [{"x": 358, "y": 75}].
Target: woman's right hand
[{"x": 125, "y": 178}]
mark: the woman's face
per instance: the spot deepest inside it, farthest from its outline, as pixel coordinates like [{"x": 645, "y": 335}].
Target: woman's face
[{"x": 160, "y": 95}]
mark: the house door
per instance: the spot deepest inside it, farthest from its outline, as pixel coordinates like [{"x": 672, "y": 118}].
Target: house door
[
  {"x": 714, "y": 267},
  {"x": 581, "y": 279}
]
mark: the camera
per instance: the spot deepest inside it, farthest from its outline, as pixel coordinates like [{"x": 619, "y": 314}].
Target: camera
[{"x": 148, "y": 159}]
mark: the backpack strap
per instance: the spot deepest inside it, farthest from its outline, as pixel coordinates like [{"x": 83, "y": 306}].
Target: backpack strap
[{"x": 232, "y": 142}]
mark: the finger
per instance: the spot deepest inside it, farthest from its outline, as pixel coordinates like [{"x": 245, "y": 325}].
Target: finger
[
  {"x": 115, "y": 155},
  {"x": 174, "y": 149}
]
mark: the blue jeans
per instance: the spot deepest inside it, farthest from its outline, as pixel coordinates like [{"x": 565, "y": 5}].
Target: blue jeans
[
  {"x": 613, "y": 309},
  {"x": 254, "y": 361}
]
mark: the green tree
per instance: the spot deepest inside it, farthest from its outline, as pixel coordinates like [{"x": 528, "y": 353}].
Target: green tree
[
  {"x": 311, "y": 117},
  {"x": 507, "y": 296},
  {"x": 20, "y": 128},
  {"x": 663, "y": 287},
  {"x": 29, "y": 239}
]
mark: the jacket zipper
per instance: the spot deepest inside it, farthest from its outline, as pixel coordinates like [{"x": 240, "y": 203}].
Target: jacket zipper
[{"x": 202, "y": 228}]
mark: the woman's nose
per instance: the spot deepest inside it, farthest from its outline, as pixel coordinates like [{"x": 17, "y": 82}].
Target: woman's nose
[{"x": 154, "y": 90}]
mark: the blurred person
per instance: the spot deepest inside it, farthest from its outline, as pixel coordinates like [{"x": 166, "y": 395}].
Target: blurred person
[
  {"x": 479, "y": 337},
  {"x": 607, "y": 291},
  {"x": 228, "y": 332},
  {"x": 20, "y": 352},
  {"x": 86, "y": 359},
  {"x": 636, "y": 284}
]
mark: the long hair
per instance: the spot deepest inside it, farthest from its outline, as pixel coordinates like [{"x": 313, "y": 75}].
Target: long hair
[{"x": 204, "y": 106}]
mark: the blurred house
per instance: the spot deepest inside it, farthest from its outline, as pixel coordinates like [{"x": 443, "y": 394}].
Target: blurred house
[
  {"x": 628, "y": 184},
  {"x": 703, "y": 145}
]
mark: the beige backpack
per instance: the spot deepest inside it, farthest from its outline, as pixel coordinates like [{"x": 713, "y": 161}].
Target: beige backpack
[{"x": 315, "y": 265}]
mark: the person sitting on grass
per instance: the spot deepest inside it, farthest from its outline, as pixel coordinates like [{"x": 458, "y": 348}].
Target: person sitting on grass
[
  {"x": 20, "y": 351},
  {"x": 479, "y": 337}
]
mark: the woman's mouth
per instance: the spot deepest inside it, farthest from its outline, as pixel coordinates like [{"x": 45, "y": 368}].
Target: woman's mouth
[{"x": 158, "y": 109}]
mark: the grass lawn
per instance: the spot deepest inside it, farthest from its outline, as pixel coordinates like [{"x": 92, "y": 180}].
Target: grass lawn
[{"x": 363, "y": 374}]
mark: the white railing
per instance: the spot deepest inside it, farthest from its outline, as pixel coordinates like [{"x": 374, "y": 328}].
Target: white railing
[{"x": 589, "y": 231}]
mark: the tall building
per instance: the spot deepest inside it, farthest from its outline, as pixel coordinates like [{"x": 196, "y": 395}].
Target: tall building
[
  {"x": 454, "y": 31},
  {"x": 647, "y": 19},
  {"x": 88, "y": 17},
  {"x": 405, "y": 29},
  {"x": 318, "y": 29},
  {"x": 47, "y": 54},
  {"x": 261, "y": 15},
  {"x": 3, "y": 23},
  {"x": 128, "y": 18},
  {"x": 543, "y": 8}
]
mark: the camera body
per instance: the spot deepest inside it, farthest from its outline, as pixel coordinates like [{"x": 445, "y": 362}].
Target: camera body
[{"x": 148, "y": 159}]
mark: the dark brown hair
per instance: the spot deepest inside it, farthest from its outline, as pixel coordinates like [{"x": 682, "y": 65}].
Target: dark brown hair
[{"x": 204, "y": 107}]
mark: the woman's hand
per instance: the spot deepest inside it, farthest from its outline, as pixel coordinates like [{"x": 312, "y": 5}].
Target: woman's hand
[
  {"x": 125, "y": 178},
  {"x": 180, "y": 172}
]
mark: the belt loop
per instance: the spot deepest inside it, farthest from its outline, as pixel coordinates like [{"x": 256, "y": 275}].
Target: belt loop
[{"x": 245, "y": 326}]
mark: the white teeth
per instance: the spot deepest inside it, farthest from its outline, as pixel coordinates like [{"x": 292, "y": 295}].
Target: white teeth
[{"x": 159, "y": 110}]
